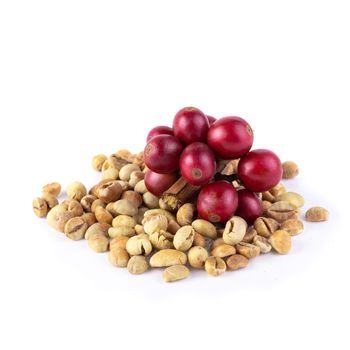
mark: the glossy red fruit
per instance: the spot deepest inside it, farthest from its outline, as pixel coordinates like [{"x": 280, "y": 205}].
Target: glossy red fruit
[
  {"x": 260, "y": 170},
  {"x": 159, "y": 130},
  {"x": 230, "y": 137},
  {"x": 197, "y": 164},
  {"x": 191, "y": 125},
  {"x": 162, "y": 154},
  {"x": 211, "y": 120},
  {"x": 217, "y": 202},
  {"x": 159, "y": 183},
  {"x": 249, "y": 206}
]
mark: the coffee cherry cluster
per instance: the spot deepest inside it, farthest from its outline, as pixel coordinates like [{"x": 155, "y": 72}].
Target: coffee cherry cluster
[{"x": 193, "y": 147}]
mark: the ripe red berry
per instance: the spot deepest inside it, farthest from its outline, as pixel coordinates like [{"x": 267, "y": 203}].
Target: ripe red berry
[
  {"x": 230, "y": 137},
  {"x": 260, "y": 170},
  {"x": 159, "y": 130},
  {"x": 211, "y": 120},
  {"x": 158, "y": 183},
  {"x": 249, "y": 205},
  {"x": 197, "y": 164},
  {"x": 191, "y": 125},
  {"x": 217, "y": 202},
  {"x": 162, "y": 154}
]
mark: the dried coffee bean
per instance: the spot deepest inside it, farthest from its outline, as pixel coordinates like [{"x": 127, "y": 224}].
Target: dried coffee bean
[
  {"x": 160, "y": 241},
  {"x": 126, "y": 170},
  {"x": 248, "y": 250},
  {"x": 197, "y": 256},
  {"x": 185, "y": 214},
  {"x": 150, "y": 200},
  {"x": 137, "y": 265},
  {"x": 155, "y": 223},
  {"x": 110, "y": 174},
  {"x": 250, "y": 234},
  {"x": 273, "y": 193},
  {"x": 119, "y": 161},
  {"x": 139, "y": 245},
  {"x": 40, "y": 207},
  {"x": 75, "y": 228},
  {"x": 133, "y": 197},
  {"x": 118, "y": 257},
  {"x": 125, "y": 207},
  {"x": 53, "y": 188},
  {"x": 110, "y": 207},
  {"x": 294, "y": 198},
  {"x": 138, "y": 159},
  {"x": 151, "y": 212},
  {"x": 124, "y": 184},
  {"x": 173, "y": 226},
  {"x": 278, "y": 189},
  {"x": 168, "y": 257},
  {"x": 265, "y": 226},
  {"x": 103, "y": 215},
  {"x": 292, "y": 226},
  {"x": 282, "y": 211},
  {"x": 175, "y": 273},
  {"x": 50, "y": 200},
  {"x": 93, "y": 189},
  {"x": 317, "y": 214},
  {"x": 183, "y": 238},
  {"x": 168, "y": 235},
  {"x": 76, "y": 190},
  {"x": 237, "y": 261},
  {"x": 268, "y": 196},
  {"x": 235, "y": 230},
  {"x": 281, "y": 242},
  {"x": 290, "y": 169},
  {"x": 199, "y": 240},
  {"x": 89, "y": 218},
  {"x": 124, "y": 220},
  {"x": 86, "y": 202},
  {"x": 135, "y": 177},
  {"x": 97, "y": 228},
  {"x": 266, "y": 205},
  {"x": 124, "y": 154},
  {"x": 140, "y": 187},
  {"x": 223, "y": 250},
  {"x": 74, "y": 207},
  {"x": 111, "y": 163},
  {"x": 97, "y": 161},
  {"x": 139, "y": 229},
  {"x": 215, "y": 266},
  {"x": 262, "y": 243},
  {"x": 217, "y": 242},
  {"x": 140, "y": 215},
  {"x": 109, "y": 191},
  {"x": 205, "y": 228},
  {"x": 98, "y": 243},
  {"x": 121, "y": 231},
  {"x": 118, "y": 242},
  {"x": 97, "y": 203}
]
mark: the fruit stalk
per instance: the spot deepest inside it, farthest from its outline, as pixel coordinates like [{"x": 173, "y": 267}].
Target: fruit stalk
[
  {"x": 179, "y": 193},
  {"x": 229, "y": 178}
]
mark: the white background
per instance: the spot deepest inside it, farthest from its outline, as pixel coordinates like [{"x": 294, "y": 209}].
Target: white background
[{"x": 84, "y": 77}]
